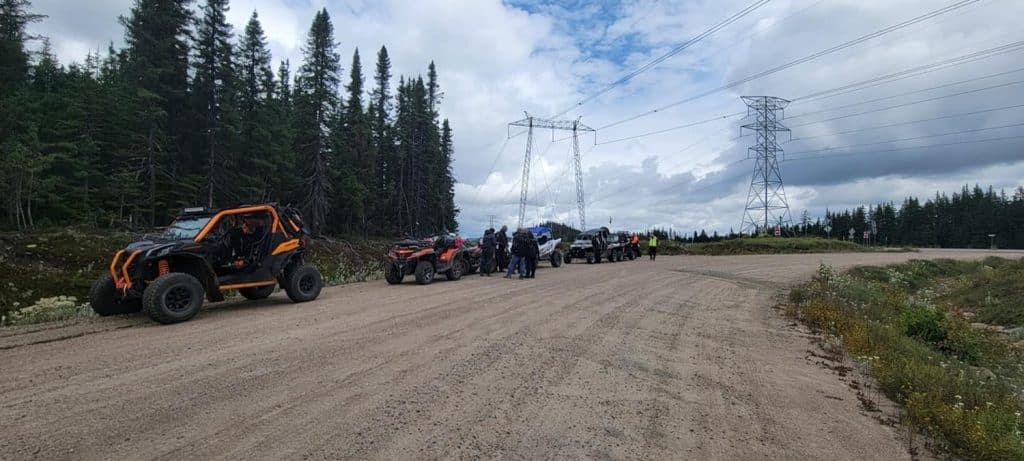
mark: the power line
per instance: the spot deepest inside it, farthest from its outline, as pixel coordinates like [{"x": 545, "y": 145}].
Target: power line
[
  {"x": 918, "y": 71},
  {"x": 678, "y": 127},
  {"x": 974, "y": 130},
  {"x": 955, "y": 143},
  {"x": 674, "y": 51},
  {"x": 936, "y": 98},
  {"x": 890, "y": 125},
  {"x": 802, "y": 60}
]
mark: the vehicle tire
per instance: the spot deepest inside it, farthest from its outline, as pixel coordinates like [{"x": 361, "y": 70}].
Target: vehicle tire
[
  {"x": 303, "y": 283},
  {"x": 256, "y": 293},
  {"x": 618, "y": 257},
  {"x": 424, "y": 273},
  {"x": 458, "y": 268},
  {"x": 590, "y": 258},
  {"x": 393, "y": 274},
  {"x": 105, "y": 300},
  {"x": 556, "y": 259},
  {"x": 172, "y": 298},
  {"x": 568, "y": 259}
]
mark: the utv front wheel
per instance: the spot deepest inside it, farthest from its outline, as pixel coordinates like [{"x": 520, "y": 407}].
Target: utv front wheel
[
  {"x": 590, "y": 258},
  {"x": 173, "y": 298},
  {"x": 393, "y": 274},
  {"x": 105, "y": 300},
  {"x": 556, "y": 259},
  {"x": 458, "y": 268},
  {"x": 303, "y": 283},
  {"x": 255, "y": 293},
  {"x": 424, "y": 273}
]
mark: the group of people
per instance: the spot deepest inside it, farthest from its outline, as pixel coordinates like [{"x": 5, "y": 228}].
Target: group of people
[{"x": 525, "y": 252}]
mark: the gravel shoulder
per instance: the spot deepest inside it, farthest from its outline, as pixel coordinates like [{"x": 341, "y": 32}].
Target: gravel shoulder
[{"x": 681, "y": 358}]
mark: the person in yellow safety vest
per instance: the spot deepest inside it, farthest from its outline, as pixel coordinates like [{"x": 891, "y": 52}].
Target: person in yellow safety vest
[{"x": 652, "y": 246}]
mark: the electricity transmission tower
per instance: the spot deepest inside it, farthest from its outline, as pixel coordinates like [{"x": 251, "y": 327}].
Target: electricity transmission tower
[
  {"x": 576, "y": 127},
  {"x": 766, "y": 201}
]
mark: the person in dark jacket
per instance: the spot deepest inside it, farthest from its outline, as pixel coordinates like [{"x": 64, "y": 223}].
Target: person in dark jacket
[
  {"x": 520, "y": 244},
  {"x": 532, "y": 254},
  {"x": 487, "y": 248},
  {"x": 501, "y": 251}
]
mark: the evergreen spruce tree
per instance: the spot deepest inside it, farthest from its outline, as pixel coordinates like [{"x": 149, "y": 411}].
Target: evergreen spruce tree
[
  {"x": 213, "y": 89},
  {"x": 157, "y": 34},
  {"x": 257, "y": 158},
  {"x": 316, "y": 106},
  {"x": 356, "y": 160}
]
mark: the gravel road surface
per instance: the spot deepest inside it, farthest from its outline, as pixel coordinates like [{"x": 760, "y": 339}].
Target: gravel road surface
[{"x": 683, "y": 358}]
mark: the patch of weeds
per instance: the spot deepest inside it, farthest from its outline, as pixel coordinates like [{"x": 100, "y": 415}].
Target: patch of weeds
[{"x": 908, "y": 325}]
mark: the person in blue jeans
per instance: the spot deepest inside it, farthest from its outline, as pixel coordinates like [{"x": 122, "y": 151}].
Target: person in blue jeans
[{"x": 519, "y": 252}]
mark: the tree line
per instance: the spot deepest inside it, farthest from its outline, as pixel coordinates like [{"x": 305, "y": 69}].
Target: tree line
[
  {"x": 971, "y": 218},
  {"x": 190, "y": 113}
]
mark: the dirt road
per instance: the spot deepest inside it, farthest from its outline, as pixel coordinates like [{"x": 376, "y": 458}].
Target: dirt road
[{"x": 681, "y": 358}]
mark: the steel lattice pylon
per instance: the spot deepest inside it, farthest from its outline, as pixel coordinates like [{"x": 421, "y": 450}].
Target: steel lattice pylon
[
  {"x": 766, "y": 201},
  {"x": 576, "y": 127}
]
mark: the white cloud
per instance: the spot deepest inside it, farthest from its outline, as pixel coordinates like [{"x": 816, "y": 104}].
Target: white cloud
[{"x": 497, "y": 59}]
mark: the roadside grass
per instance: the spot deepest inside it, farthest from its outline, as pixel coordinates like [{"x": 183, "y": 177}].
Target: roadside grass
[
  {"x": 774, "y": 245},
  {"x": 910, "y": 326}
]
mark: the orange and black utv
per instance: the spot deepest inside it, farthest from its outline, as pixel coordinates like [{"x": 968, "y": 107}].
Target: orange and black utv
[
  {"x": 203, "y": 253},
  {"x": 425, "y": 259}
]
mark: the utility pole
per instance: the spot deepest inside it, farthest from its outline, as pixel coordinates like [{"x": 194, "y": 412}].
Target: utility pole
[
  {"x": 565, "y": 125},
  {"x": 766, "y": 200}
]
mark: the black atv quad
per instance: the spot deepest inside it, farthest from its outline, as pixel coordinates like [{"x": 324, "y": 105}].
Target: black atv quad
[{"x": 203, "y": 253}]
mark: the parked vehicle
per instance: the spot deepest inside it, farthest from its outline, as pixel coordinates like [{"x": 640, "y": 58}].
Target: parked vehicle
[
  {"x": 425, "y": 258},
  {"x": 596, "y": 245},
  {"x": 203, "y": 253},
  {"x": 548, "y": 246}
]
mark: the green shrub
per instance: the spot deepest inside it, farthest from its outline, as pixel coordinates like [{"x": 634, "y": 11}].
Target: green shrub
[{"x": 924, "y": 324}]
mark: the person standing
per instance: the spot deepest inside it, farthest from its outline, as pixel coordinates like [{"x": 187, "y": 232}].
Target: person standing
[
  {"x": 634, "y": 245},
  {"x": 532, "y": 253},
  {"x": 652, "y": 246},
  {"x": 518, "y": 261},
  {"x": 501, "y": 238},
  {"x": 487, "y": 246}
]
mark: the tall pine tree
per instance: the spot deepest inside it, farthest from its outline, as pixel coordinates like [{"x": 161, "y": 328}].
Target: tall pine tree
[
  {"x": 316, "y": 106},
  {"x": 213, "y": 102}
]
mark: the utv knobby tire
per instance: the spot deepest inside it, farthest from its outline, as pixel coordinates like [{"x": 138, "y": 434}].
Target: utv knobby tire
[
  {"x": 618, "y": 257},
  {"x": 106, "y": 300},
  {"x": 457, "y": 270},
  {"x": 303, "y": 283},
  {"x": 256, "y": 293},
  {"x": 590, "y": 258},
  {"x": 173, "y": 298},
  {"x": 556, "y": 259},
  {"x": 393, "y": 274},
  {"x": 424, "y": 273}
]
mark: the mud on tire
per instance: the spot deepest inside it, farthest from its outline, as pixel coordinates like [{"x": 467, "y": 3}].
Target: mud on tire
[
  {"x": 302, "y": 283},
  {"x": 105, "y": 299},
  {"x": 173, "y": 298}
]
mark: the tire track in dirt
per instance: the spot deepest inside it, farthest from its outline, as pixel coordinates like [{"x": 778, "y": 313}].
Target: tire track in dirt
[{"x": 682, "y": 357}]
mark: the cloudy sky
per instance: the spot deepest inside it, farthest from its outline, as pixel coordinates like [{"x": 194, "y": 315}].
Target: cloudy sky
[{"x": 926, "y": 131}]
